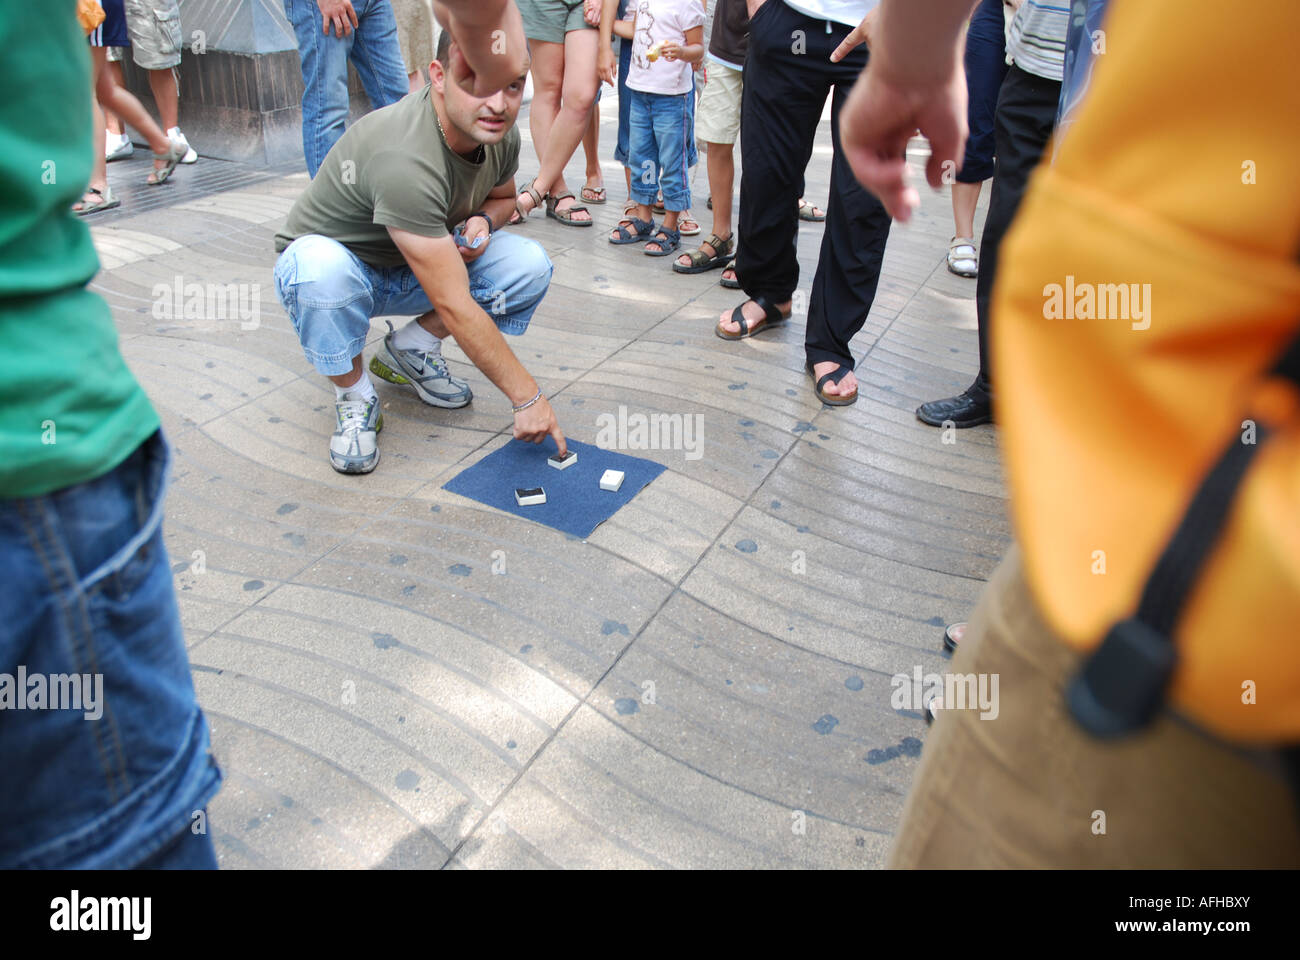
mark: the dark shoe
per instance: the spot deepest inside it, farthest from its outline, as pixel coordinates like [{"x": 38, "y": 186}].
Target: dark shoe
[{"x": 967, "y": 409}]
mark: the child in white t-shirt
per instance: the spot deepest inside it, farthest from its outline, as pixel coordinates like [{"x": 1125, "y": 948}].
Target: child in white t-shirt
[{"x": 667, "y": 41}]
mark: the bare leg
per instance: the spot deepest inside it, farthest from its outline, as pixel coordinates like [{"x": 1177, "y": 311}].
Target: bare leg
[
  {"x": 591, "y": 148},
  {"x": 415, "y": 81},
  {"x": 124, "y": 103},
  {"x": 578, "y": 96},
  {"x": 721, "y": 159},
  {"x": 113, "y": 121},
  {"x": 548, "y": 81},
  {"x": 99, "y": 167},
  {"x": 965, "y": 197},
  {"x": 165, "y": 96}
]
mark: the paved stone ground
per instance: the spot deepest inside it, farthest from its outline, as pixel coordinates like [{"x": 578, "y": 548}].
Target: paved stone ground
[{"x": 380, "y": 698}]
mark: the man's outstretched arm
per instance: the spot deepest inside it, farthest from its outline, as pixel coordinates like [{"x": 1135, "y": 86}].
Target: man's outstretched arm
[
  {"x": 442, "y": 274},
  {"x": 914, "y": 80},
  {"x": 490, "y": 51}
]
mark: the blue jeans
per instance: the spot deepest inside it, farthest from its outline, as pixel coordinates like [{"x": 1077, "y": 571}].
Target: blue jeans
[
  {"x": 371, "y": 45},
  {"x": 331, "y": 295},
  {"x": 624, "y": 102},
  {"x": 661, "y": 130},
  {"x": 88, "y": 591}
]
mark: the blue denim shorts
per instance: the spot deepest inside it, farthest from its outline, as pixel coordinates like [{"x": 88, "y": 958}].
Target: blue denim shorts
[
  {"x": 112, "y": 778},
  {"x": 331, "y": 295}
]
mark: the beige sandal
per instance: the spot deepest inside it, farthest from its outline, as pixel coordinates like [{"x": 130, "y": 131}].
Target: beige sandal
[
  {"x": 520, "y": 214},
  {"x": 171, "y": 158}
]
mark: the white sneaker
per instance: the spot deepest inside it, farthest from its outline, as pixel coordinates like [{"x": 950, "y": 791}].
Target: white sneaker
[
  {"x": 178, "y": 138},
  {"x": 425, "y": 372},
  {"x": 117, "y": 147},
  {"x": 354, "y": 447}
]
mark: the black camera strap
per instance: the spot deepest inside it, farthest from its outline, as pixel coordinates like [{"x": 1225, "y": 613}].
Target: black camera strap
[{"x": 1122, "y": 685}]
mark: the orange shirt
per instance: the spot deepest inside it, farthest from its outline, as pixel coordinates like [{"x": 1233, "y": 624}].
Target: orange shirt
[{"x": 1181, "y": 180}]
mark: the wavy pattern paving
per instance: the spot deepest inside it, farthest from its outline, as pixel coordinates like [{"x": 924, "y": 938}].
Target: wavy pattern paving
[{"x": 400, "y": 678}]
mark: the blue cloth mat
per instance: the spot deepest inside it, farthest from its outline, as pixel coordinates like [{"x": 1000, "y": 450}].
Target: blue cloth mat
[{"x": 575, "y": 504}]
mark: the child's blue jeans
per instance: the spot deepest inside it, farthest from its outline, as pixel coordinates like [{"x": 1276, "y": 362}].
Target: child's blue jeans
[{"x": 660, "y": 138}]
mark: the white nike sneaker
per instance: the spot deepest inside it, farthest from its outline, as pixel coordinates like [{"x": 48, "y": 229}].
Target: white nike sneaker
[
  {"x": 354, "y": 447},
  {"x": 426, "y": 373}
]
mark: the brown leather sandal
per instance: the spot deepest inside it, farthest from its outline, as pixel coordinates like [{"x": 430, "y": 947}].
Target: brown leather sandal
[{"x": 566, "y": 216}]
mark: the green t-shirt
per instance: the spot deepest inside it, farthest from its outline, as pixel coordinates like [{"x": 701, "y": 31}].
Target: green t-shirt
[
  {"x": 392, "y": 168},
  {"x": 70, "y": 410}
]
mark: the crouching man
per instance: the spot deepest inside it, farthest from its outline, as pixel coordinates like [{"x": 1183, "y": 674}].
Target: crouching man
[{"x": 401, "y": 219}]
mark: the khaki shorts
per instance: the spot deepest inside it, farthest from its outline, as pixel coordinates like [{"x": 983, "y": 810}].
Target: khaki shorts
[
  {"x": 1028, "y": 788},
  {"x": 155, "y": 30},
  {"x": 549, "y": 20},
  {"x": 414, "y": 33},
  {"x": 717, "y": 118}
]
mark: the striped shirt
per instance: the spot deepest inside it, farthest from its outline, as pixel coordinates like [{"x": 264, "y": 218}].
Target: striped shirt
[{"x": 1036, "y": 40}]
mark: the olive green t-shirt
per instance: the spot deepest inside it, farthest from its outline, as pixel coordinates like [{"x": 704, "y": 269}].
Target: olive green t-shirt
[
  {"x": 392, "y": 168},
  {"x": 70, "y": 410}
]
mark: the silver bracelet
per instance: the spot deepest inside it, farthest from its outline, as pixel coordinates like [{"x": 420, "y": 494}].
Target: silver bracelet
[{"x": 525, "y": 406}]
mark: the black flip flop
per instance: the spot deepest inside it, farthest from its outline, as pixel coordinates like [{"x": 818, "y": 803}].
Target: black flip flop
[
  {"x": 835, "y": 376},
  {"x": 772, "y": 317},
  {"x": 729, "y": 284}
]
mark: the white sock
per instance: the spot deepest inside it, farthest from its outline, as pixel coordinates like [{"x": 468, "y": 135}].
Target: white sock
[
  {"x": 174, "y": 133},
  {"x": 415, "y": 337},
  {"x": 363, "y": 389}
]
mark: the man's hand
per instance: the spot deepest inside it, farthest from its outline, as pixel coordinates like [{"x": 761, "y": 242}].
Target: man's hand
[
  {"x": 490, "y": 51},
  {"x": 913, "y": 81},
  {"x": 339, "y": 13},
  {"x": 475, "y": 228},
  {"x": 859, "y": 34},
  {"x": 878, "y": 120},
  {"x": 537, "y": 423},
  {"x": 445, "y": 281}
]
